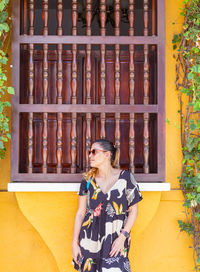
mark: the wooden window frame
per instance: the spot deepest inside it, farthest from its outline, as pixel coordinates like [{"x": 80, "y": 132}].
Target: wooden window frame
[{"x": 17, "y": 108}]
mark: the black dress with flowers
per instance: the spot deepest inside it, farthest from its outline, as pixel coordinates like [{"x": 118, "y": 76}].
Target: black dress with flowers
[{"x": 106, "y": 215}]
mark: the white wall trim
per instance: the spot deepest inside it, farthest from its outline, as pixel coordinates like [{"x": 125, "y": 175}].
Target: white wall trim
[{"x": 74, "y": 187}]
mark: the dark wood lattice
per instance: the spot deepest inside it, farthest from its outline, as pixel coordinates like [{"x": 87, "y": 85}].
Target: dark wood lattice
[{"x": 96, "y": 81}]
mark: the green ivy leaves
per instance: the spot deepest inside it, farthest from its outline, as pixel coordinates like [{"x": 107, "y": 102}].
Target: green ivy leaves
[
  {"x": 187, "y": 44},
  {"x": 4, "y": 27},
  {"x": 4, "y": 120}
]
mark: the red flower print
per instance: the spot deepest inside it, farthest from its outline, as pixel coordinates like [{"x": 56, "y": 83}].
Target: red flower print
[{"x": 97, "y": 211}]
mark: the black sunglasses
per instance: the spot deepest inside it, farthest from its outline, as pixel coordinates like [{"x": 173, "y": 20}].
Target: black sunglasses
[{"x": 94, "y": 151}]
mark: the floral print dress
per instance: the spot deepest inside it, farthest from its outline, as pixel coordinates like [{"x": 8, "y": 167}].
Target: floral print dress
[{"x": 106, "y": 215}]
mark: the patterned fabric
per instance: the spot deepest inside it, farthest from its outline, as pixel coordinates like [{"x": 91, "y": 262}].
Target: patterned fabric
[{"x": 105, "y": 216}]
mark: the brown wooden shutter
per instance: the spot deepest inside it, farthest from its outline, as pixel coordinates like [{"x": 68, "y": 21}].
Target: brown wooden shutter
[{"x": 77, "y": 80}]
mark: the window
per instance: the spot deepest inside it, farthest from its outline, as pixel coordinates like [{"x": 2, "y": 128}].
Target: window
[{"x": 84, "y": 70}]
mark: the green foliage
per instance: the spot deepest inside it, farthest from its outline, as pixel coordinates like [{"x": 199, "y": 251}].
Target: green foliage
[
  {"x": 4, "y": 120},
  {"x": 187, "y": 44},
  {"x": 4, "y": 27},
  {"x": 187, "y": 227},
  {"x": 176, "y": 39}
]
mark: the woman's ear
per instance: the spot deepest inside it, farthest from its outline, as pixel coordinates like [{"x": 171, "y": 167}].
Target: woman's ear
[{"x": 108, "y": 154}]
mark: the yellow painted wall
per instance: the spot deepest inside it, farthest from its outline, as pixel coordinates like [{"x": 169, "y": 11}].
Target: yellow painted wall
[{"x": 36, "y": 228}]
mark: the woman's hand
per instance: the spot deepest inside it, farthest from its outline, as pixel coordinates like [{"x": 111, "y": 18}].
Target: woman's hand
[
  {"x": 117, "y": 245},
  {"x": 76, "y": 251}
]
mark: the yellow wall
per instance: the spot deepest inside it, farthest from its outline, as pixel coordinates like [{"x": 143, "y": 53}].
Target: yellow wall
[{"x": 36, "y": 228}]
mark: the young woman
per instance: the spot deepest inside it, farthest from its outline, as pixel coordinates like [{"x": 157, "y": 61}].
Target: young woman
[{"x": 107, "y": 210}]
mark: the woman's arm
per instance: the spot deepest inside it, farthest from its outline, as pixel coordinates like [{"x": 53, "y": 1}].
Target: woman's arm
[
  {"x": 82, "y": 206},
  {"x": 118, "y": 244},
  {"x": 132, "y": 215}
]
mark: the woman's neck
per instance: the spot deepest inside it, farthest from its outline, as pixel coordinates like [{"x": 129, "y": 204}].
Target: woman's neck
[{"x": 105, "y": 171}]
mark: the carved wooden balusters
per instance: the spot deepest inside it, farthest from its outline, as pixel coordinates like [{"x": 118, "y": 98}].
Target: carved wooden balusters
[
  {"x": 30, "y": 115},
  {"x": 45, "y": 86},
  {"x": 88, "y": 80},
  {"x": 59, "y": 17},
  {"x": 146, "y": 88},
  {"x": 117, "y": 78},
  {"x": 74, "y": 76},
  {"x": 59, "y": 86},
  {"x": 59, "y": 142},
  {"x": 131, "y": 88},
  {"x": 31, "y": 16},
  {"x": 31, "y": 86},
  {"x": 103, "y": 65}
]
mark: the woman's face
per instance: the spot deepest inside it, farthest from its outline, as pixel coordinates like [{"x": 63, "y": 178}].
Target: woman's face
[{"x": 98, "y": 156}]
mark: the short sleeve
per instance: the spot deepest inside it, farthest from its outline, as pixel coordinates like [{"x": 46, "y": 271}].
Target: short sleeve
[
  {"x": 83, "y": 188},
  {"x": 133, "y": 193}
]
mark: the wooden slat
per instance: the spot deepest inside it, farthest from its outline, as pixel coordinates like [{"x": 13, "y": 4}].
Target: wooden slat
[
  {"x": 59, "y": 86},
  {"x": 59, "y": 142},
  {"x": 44, "y": 143},
  {"x": 23, "y": 8},
  {"x": 103, "y": 65},
  {"x": 45, "y": 87},
  {"x": 31, "y": 86},
  {"x": 30, "y": 142},
  {"x": 117, "y": 79},
  {"x": 88, "y": 80},
  {"x": 146, "y": 75},
  {"x": 146, "y": 143},
  {"x": 30, "y": 115},
  {"x": 59, "y": 74},
  {"x": 31, "y": 16},
  {"x": 52, "y": 39},
  {"x": 153, "y": 48},
  {"x": 153, "y": 17},
  {"x": 131, "y": 88},
  {"x": 146, "y": 88},
  {"x": 73, "y": 142},
  {"x": 87, "y": 108},
  {"x": 45, "y": 73},
  {"x": 45, "y": 16},
  {"x": 74, "y": 85},
  {"x": 45, "y": 101},
  {"x": 146, "y": 17},
  {"x": 103, "y": 17},
  {"x": 74, "y": 17},
  {"x": 131, "y": 17},
  {"x": 59, "y": 17}
]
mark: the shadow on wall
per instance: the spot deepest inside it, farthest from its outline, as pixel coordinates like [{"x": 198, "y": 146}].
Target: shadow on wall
[{"x": 21, "y": 248}]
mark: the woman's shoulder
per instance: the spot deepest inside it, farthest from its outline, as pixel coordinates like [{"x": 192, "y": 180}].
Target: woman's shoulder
[
  {"x": 125, "y": 173},
  {"x": 128, "y": 175}
]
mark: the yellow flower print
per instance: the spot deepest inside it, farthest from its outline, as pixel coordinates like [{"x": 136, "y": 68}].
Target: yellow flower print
[
  {"x": 97, "y": 190},
  {"x": 118, "y": 209},
  {"x": 88, "y": 264},
  {"x": 89, "y": 221}
]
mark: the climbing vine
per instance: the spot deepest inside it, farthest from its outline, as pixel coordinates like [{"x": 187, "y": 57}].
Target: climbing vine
[
  {"x": 4, "y": 43},
  {"x": 187, "y": 54}
]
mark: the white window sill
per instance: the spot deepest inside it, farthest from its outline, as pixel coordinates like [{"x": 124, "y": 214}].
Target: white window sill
[{"x": 74, "y": 187}]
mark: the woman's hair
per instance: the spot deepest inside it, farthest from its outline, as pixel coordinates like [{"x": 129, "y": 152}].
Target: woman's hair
[{"x": 107, "y": 146}]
